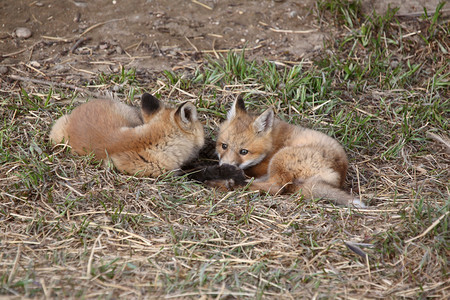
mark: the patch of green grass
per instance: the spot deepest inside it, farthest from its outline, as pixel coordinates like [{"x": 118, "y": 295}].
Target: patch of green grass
[
  {"x": 125, "y": 77},
  {"x": 434, "y": 27},
  {"x": 343, "y": 11},
  {"x": 355, "y": 130},
  {"x": 123, "y": 83},
  {"x": 371, "y": 49},
  {"x": 31, "y": 166},
  {"x": 105, "y": 270},
  {"x": 175, "y": 79}
]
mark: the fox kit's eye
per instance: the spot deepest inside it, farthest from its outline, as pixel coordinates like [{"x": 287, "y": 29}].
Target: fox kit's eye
[
  {"x": 243, "y": 151},
  {"x": 224, "y": 146}
]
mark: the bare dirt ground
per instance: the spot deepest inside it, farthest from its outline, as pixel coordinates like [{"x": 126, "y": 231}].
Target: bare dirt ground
[
  {"x": 151, "y": 35},
  {"x": 80, "y": 38}
]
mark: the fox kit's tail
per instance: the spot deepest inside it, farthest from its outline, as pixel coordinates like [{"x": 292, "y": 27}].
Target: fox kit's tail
[
  {"x": 311, "y": 188},
  {"x": 320, "y": 189},
  {"x": 58, "y": 133}
]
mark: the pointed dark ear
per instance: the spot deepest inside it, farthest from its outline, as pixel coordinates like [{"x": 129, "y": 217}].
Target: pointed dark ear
[
  {"x": 149, "y": 104},
  {"x": 238, "y": 107},
  {"x": 187, "y": 112},
  {"x": 264, "y": 122}
]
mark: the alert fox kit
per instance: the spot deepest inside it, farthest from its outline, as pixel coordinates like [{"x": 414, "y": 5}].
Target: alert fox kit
[
  {"x": 146, "y": 142},
  {"x": 283, "y": 157}
]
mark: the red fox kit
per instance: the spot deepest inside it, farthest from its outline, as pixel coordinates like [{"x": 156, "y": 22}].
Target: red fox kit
[
  {"x": 283, "y": 157},
  {"x": 145, "y": 142}
]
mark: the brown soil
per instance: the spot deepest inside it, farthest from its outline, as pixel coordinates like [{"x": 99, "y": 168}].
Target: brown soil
[
  {"x": 82, "y": 38},
  {"x": 151, "y": 35}
]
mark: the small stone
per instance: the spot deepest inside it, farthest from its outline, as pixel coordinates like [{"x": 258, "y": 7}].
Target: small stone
[
  {"x": 81, "y": 4},
  {"x": 77, "y": 17},
  {"x": 3, "y": 70},
  {"x": 61, "y": 68},
  {"x": 22, "y": 32},
  {"x": 292, "y": 14},
  {"x": 35, "y": 64},
  {"x": 394, "y": 63},
  {"x": 119, "y": 50}
]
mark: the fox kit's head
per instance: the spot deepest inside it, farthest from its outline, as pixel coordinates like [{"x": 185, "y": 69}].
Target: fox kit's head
[
  {"x": 180, "y": 124},
  {"x": 244, "y": 139}
]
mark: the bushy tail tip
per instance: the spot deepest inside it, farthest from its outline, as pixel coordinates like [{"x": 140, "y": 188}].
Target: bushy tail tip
[{"x": 58, "y": 132}]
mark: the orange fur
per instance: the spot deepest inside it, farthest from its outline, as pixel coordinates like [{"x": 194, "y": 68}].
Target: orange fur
[
  {"x": 146, "y": 142},
  {"x": 284, "y": 158}
]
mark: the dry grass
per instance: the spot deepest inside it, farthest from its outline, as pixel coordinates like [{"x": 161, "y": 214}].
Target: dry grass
[{"x": 71, "y": 228}]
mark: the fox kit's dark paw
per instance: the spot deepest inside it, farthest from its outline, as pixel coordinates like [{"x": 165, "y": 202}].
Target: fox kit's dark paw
[
  {"x": 230, "y": 172},
  {"x": 222, "y": 176},
  {"x": 226, "y": 177},
  {"x": 221, "y": 184}
]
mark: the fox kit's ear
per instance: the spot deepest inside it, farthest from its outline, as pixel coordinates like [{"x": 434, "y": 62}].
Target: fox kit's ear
[
  {"x": 238, "y": 107},
  {"x": 264, "y": 122},
  {"x": 187, "y": 112},
  {"x": 149, "y": 104}
]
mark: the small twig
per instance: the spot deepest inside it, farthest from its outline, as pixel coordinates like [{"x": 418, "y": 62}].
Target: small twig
[
  {"x": 214, "y": 49},
  {"x": 99, "y": 24},
  {"x": 291, "y": 31},
  {"x": 359, "y": 183},
  {"x": 202, "y": 4},
  {"x": 40, "y": 23},
  {"x": 411, "y": 34},
  {"x": 78, "y": 44},
  {"x": 146, "y": 241},
  {"x": 59, "y": 39},
  {"x": 44, "y": 288},
  {"x": 34, "y": 69},
  {"x": 116, "y": 286},
  {"x": 14, "y": 53},
  {"x": 368, "y": 267},
  {"x": 372, "y": 115},
  {"x": 222, "y": 289},
  {"x": 286, "y": 30},
  {"x": 91, "y": 257},
  {"x": 435, "y": 223},
  {"x": 190, "y": 43},
  {"x": 215, "y": 35},
  {"x": 81, "y": 70},
  {"x": 73, "y": 189},
  {"x": 157, "y": 48},
  {"x": 135, "y": 45},
  {"x": 224, "y": 50},
  {"x": 16, "y": 263}
]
